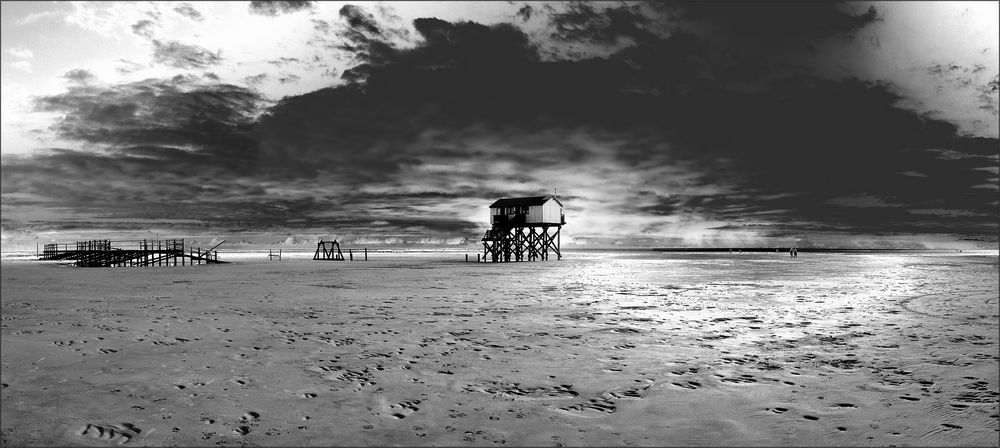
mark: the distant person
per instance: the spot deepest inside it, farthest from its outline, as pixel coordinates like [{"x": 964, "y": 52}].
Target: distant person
[{"x": 793, "y": 252}]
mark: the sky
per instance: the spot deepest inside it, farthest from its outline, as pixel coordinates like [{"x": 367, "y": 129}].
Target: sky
[{"x": 665, "y": 124}]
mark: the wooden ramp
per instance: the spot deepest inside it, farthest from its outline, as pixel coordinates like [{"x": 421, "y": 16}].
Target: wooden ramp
[{"x": 107, "y": 253}]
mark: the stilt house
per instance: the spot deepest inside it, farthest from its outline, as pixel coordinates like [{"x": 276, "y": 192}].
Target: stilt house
[
  {"x": 520, "y": 229},
  {"x": 534, "y": 210}
]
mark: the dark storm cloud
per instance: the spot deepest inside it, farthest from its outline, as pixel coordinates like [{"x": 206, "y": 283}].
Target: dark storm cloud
[
  {"x": 289, "y": 78},
  {"x": 282, "y": 61},
  {"x": 188, "y": 122},
  {"x": 988, "y": 94},
  {"x": 359, "y": 20},
  {"x": 583, "y": 21},
  {"x": 159, "y": 149},
  {"x": 674, "y": 123},
  {"x": 364, "y": 37},
  {"x": 275, "y": 8},
  {"x": 763, "y": 21},
  {"x": 181, "y": 55},
  {"x": 365, "y": 130},
  {"x": 186, "y": 10},
  {"x": 144, "y": 28},
  {"x": 775, "y": 20},
  {"x": 790, "y": 132},
  {"x": 524, "y": 14},
  {"x": 255, "y": 79},
  {"x": 79, "y": 75},
  {"x": 163, "y": 149}
]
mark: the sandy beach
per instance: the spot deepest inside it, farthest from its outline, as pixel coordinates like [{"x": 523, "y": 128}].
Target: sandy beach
[{"x": 609, "y": 349}]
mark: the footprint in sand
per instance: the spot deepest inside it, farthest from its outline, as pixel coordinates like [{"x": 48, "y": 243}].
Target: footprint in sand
[
  {"x": 940, "y": 429},
  {"x": 621, "y": 393},
  {"x": 119, "y": 434},
  {"x": 245, "y": 421},
  {"x": 523, "y": 392},
  {"x": 601, "y": 405},
  {"x": 405, "y": 408},
  {"x": 687, "y": 385},
  {"x": 742, "y": 379}
]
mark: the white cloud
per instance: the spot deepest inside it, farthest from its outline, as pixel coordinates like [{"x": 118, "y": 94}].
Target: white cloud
[
  {"x": 34, "y": 17},
  {"x": 111, "y": 19},
  {"x": 22, "y": 65},
  {"x": 21, "y": 52},
  {"x": 936, "y": 55}
]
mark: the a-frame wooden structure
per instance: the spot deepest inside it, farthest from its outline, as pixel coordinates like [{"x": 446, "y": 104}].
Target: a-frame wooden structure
[{"x": 328, "y": 250}]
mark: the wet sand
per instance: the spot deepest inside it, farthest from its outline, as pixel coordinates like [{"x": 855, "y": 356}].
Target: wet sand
[{"x": 595, "y": 349}]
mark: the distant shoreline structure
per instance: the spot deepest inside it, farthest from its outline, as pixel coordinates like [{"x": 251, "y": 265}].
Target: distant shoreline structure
[{"x": 262, "y": 252}]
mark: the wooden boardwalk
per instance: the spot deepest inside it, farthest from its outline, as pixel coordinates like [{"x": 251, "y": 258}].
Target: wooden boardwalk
[{"x": 107, "y": 253}]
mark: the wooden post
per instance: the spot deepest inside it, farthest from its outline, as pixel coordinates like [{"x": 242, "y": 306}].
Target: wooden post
[
  {"x": 466, "y": 258},
  {"x": 366, "y": 254},
  {"x": 350, "y": 254},
  {"x": 477, "y": 258}
]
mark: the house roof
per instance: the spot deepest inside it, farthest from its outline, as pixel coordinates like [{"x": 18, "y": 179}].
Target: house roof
[{"x": 531, "y": 200}]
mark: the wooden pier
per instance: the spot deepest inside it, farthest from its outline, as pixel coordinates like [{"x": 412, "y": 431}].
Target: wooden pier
[{"x": 107, "y": 253}]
